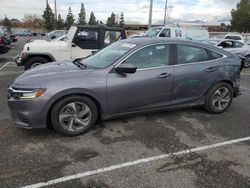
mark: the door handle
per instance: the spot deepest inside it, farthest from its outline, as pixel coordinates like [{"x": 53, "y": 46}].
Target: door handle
[
  {"x": 164, "y": 75},
  {"x": 211, "y": 69}
]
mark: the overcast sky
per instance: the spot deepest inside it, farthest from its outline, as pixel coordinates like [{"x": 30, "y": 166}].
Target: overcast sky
[{"x": 209, "y": 11}]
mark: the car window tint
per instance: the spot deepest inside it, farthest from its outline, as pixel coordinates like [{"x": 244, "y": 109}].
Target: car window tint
[
  {"x": 111, "y": 36},
  {"x": 233, "y": 37},
  {"x": 149, "y": 57},
  {"x": 166, "y": 32},
  {"x": 226, "y": 44},
  {"x": 238, "y": 45},
  {"x": 214, "y": 55},
  {"x": 87, "y": 39},
  {"x": 190, "y": 54}
]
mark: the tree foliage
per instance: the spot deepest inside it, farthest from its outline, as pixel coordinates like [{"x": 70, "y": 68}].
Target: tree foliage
[
  {"x": 69, "y": 19},
  {"x": 60, "y": 23},
  {"x": 111, "y": 20},
  {"x": 92, "y": 19},
  {"x": 82, "y": 15},
  {"x": 241, "y": 16},
  {"x": 49, "y": 18},
  {"x": 7, "y": 22},
  {"x": 122, "y": 21}
]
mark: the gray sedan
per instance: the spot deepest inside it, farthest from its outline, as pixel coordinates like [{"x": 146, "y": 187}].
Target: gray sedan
[{"x": 129, "y": 76}]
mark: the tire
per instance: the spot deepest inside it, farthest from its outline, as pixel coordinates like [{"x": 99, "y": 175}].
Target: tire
[
  {"x": 215, "y": 98},
  {"x": 247, "y": 62},
  {"x": 35, "y": 61},
  {"x": 68, "y": 115}
]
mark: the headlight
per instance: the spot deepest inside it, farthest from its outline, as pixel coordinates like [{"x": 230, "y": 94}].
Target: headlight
[{"x": 25, "y": 94}]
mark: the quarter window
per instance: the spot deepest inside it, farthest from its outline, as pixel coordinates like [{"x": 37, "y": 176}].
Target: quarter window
[
  {"x": 149, "y": 57},
  {"x": 238, "y": 45},
  {"x": 214, "y": 55},
  {"x": 111, "y": 36},
  {"x": 191, "y": 54}
]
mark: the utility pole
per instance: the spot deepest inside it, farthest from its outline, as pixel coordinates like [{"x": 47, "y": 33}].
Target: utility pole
[
  {"x": 55, "y": 9},
  {"x": 165, "y": 15},
  {"x": 150, "y": 14},
  {"x": 47, "y": 3}
]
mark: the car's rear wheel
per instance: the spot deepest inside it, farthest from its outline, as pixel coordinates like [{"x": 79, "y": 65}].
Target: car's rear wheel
[
  {"x": 247, "y": 62},
  {"x": 34, "y": 62},
  {"x": 219, "y": 98},
  {"x": 74, "y": 115}
]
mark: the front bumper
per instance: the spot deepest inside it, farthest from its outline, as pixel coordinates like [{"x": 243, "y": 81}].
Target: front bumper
[
  {"x": 19, "y": 61},
  {"x": 28, "y": 113}
]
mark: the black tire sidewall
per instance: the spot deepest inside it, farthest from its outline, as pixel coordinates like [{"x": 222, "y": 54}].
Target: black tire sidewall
[
  {"x": 30, "y": 62},
  {"x": 74, "y": 98},
  {"x": 209, "y": 106}
]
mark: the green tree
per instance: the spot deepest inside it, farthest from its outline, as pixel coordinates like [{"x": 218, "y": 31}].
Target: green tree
[
  {"x": 122, "y": 21},
  {"x": 60, "y": 23},
  {"x": 92, "y": 19},
  {"x": 82, "y": 15},
  {"x": 49, "y": 18},
  {"x": 7, "y": 22},
  {"x": 70, "y": 19},
  {"x": 241, "y": 16},
  {"x": 111, "y": 20}
]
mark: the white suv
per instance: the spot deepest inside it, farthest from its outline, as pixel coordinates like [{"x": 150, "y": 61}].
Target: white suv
[{"x": 79, "y": 42}]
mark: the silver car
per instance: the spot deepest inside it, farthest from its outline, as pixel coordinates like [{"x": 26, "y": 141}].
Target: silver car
[
  {"x": 127, "y": 77},
  {"x": 236, "y": 47}
]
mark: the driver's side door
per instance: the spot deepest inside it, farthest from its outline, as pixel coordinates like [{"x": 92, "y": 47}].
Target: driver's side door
[{"x": 149, "y": 87}]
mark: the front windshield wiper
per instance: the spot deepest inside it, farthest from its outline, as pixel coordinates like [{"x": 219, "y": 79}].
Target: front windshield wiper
[{"x": 78, "y": 63}]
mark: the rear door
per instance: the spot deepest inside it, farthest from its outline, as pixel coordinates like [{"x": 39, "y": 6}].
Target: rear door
[{"x": 196, "y": 70}]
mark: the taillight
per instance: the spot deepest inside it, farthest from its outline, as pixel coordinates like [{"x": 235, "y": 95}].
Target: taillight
[{"x": 1, "y": 40}]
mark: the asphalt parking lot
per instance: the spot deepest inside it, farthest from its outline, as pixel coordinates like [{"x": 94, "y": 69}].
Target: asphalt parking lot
[{"x": 28, "y": 157}]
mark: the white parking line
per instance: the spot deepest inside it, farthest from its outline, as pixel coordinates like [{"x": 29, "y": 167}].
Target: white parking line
[
  {"x": 132, "y": 163},
  {"x": 6, "y": 64}
]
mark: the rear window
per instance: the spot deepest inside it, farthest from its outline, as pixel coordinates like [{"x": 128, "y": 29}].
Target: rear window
[
  {"x": 233, "y": 37},
  {"x": 191, "y": 54}
]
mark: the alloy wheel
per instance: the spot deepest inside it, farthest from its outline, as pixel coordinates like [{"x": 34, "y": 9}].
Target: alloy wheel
[
  {"x": 221, "y": 98},
  {"x": 75, "y": 116}
]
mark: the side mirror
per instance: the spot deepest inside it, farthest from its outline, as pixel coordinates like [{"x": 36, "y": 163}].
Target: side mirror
[
  {"x": 53, "y": 37},
  {"x": 162, "y": 35},
  {"x": 73, "y": 45},
  {"x": 126, "y": 68},
  {"x": 221, "y": 47}
]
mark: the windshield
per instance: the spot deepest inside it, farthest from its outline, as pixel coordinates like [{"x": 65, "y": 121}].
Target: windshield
[
  {"x": 153, "y": 32},
  {"x": 108, "y": 55}
]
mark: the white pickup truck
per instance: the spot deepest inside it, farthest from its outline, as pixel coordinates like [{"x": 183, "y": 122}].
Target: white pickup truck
[{"x": 79, "y": 42}]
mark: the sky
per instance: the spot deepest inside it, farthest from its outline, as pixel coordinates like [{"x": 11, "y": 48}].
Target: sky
[{"x": 135, "y": 11}]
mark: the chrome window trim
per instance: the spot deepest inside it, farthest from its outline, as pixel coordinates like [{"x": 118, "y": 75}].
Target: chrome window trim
[{"x": 152, "y": 68}]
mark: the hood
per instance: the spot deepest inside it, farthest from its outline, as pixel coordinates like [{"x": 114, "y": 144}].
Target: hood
[
  {"x": 39, "y": 45},
  {"x": 46, "y": 73}
]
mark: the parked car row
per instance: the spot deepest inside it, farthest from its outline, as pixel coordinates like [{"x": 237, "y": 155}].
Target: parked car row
[{"x": 4, "y": 43}]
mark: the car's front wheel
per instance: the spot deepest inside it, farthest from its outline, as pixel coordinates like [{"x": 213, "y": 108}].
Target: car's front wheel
[
  {"x": 74, "y": 115},
  {"x": 219, "y": 98},
  {"x": 34, "y": 62}
]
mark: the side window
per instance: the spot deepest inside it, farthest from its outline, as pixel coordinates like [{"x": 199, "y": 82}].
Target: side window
[
  {"x": 238, "y": 45},
  {"x": 166, "y": 33},
  {"x": 149, "y": 57},
  {"x": 214, "y": 55},
  {"x": 191, "y": 54},
  {"x": 111, "y": 36},
  {"x": 87, "y": 39},
  {"x": 226, "y": 44}
]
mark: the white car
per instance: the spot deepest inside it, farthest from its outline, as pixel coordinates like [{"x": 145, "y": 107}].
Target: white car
[
  {"x": 236, "y": 47},
  {"x": 237, "y": 37},
  {"x": 80, "y": 42}
]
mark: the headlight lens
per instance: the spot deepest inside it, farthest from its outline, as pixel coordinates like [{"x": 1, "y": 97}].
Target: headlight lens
[{"x": 26, "y": 94}]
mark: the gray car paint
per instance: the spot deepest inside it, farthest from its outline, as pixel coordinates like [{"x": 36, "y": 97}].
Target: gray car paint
[{"x": 117, "y": 95}]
